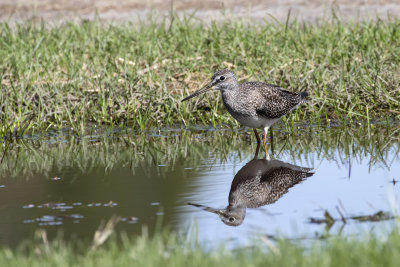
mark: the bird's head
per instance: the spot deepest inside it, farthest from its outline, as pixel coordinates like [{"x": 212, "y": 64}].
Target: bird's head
[
  {"x": 232, "y": 216},
  {"x": 221, "y": 80}
]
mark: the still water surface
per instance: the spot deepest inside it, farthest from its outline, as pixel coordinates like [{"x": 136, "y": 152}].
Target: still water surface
[{"x": 69, "y": 185}]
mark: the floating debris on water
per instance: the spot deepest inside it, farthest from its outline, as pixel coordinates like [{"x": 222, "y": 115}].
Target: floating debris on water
[
  {"x": 52, "y": 220},
  {"x": 379, "y": 216},
  {"x": 329, "y": 220},
  {"x": 64, "y": 206},
  {"x": 55, "y": 178},
  {"x": 130, "y": 220},
  {"x": 50, "y": 223},
  {"x": 94, "y": 205},
  {"x": 56, "y": 206},
  {"x": 110, "y": 204}
]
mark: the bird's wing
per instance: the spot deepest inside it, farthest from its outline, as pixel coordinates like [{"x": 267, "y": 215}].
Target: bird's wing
[
  {"x": 267, "y": 189},
  {"x": 275, "y": 101},
  {"x": 262, "y": 182},
  {"x": 280, "y": 180}
]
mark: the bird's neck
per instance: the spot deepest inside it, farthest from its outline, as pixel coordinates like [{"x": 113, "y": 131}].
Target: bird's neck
[
  {"x": 230, "y": 94},
  {"x": 236, "y": 200}
]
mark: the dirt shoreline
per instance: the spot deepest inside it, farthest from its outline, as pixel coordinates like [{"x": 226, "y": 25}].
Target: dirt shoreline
[{"x": 313, "y": 11}]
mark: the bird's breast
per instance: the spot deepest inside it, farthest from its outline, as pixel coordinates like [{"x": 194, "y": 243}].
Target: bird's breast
[
  {"x": 243, "y": 105},
  {"x": 249, "y": 121},
  {"x": 247, "y": 116}
]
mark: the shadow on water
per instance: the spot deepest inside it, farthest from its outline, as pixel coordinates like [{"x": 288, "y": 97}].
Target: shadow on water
[{"x": 63, "y": 183}]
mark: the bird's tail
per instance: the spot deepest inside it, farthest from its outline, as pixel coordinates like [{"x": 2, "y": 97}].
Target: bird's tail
[{"x": 303, "y": 96}]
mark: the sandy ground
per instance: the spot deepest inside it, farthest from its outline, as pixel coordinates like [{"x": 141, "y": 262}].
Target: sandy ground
[{"x": 115, "y": 11}]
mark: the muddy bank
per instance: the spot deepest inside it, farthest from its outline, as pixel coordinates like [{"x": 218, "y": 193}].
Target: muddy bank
[{"x": 252, "y": 11}]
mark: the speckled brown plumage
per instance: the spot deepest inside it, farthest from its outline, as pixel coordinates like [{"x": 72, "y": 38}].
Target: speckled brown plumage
[{"x": 261, "y": 182}]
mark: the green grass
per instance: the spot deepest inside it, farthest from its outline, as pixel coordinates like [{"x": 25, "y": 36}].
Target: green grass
[
  {"x": 80, "y": 75},
  {"x": 172, "y": 250}
]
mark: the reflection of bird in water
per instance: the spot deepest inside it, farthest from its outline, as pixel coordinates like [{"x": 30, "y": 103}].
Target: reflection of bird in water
[{"x": 259, "y": 182}]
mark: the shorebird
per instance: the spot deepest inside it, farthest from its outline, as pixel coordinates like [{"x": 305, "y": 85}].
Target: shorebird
[
  {"x": 259, "y": 182},
  {"x": 253, "y": 104}
]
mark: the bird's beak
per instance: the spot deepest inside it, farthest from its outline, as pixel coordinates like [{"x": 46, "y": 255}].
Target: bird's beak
[
  {"x": 206, "y": 88},
  {"x": 216, "y": 211}
]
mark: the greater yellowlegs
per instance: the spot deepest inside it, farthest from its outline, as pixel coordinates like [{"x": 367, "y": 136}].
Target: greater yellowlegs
[
  {"x": 253, "y": 104},
  {"x": 260, "y": 182}
]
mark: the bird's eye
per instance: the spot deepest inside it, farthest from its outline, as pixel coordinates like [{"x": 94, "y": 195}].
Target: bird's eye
[
  {"x": 231, "y": 219},
  {"x": 222, "y": 78}
]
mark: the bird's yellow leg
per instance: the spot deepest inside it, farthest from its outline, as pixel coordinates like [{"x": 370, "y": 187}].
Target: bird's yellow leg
[{"x": 265, "y": 143}]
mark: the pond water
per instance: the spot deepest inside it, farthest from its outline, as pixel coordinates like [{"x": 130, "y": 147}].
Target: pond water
[{"x": 69, "y": 185}]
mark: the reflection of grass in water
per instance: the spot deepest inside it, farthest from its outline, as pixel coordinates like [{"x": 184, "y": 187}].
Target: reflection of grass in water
[
  {"x": 171, "y": 249},
  {"x": 126, "y": 76},
  {"x": 341, "y": 144}
]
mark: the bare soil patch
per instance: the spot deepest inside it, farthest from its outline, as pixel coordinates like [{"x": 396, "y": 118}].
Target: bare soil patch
[{"x": 56, "y": 11}]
